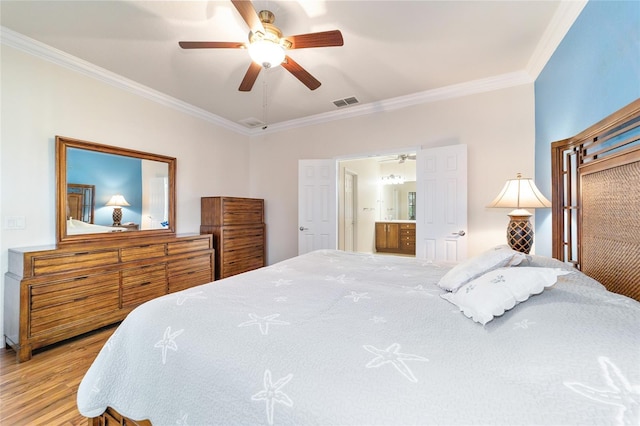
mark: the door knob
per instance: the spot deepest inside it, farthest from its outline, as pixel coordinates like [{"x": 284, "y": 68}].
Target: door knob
[
  {"x": 302, "y": 228},
  {"x": 460, "y": 233}
]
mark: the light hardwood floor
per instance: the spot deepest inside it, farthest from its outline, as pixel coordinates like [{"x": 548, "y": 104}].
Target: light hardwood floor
[{"x": 42, "y": 391}]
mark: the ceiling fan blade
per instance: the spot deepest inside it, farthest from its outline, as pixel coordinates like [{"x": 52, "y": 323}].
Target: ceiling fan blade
[
  {"x": 322, "y": 39},
  {"x": 250, "y": 77},
  {"x": 211, "y": 45},
  {"x": 249, "y": 14},
  {"x": 300, "y": 73}
]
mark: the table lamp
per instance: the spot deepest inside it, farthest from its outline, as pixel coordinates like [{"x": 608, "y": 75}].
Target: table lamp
[
  {"x": 520, "y": 194},
  {"x": 117, "y": 201}
]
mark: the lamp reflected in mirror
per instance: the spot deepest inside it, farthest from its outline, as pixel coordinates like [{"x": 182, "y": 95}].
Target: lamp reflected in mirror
[{"x": 117, "y": 201}]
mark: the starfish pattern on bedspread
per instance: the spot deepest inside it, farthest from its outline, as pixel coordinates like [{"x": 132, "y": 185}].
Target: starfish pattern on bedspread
[
  {"x": 111, "y": 342},
  {"x": 525, "y": 323},
  {"x": 272, "y": 393},
  {"x": 282, "y": 281},
  {"x": 357, "y": 296},
  {"x": 184, "y": 296},
  {"x": 95, "y": 388},
  {"x": 421, "y": 289},
  {"x": 182, "y": 421},
  {"x": 278, "y": 268},
  {"x": 620, "y": 393},
  {"x": 342, "y": 279},
  {"x": 263, "y": 323},
  {"x": 168, "y": 342},
  {"x": 393, "y": 356}
]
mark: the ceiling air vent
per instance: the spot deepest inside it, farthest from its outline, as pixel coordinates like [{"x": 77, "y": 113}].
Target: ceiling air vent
[
  {"x": 252, "y": 122},
  {"x": 346, "y": 102}
]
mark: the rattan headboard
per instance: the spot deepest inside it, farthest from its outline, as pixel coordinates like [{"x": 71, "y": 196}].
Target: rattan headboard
[
  {"x": 596, "y": 201},
  {"x": 611, "y": 227}
]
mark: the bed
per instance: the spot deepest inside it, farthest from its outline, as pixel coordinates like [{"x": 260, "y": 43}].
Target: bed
[
  {"x": 337, "y": 338},
  {"x": 78, "y": 227}
]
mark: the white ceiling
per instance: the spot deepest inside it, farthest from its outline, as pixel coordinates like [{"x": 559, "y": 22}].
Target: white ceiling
[{"x": 394, "y": 51}]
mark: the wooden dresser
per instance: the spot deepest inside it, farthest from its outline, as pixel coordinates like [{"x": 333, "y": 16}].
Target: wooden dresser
[
  {"x": 396, "y": 237},
  {"x": 238, "y": 229},
  {"x": 52, "y": 294}
]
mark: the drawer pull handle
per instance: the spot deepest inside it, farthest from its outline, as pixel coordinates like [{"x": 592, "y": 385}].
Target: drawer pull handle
[
  {"x": 80, "y": 299},
  {"x": 144, "y": 246},
  {"x": 80, "y": 278},
  {"x": 146, "y": 283},
  {"x": 81, "y": 253}
]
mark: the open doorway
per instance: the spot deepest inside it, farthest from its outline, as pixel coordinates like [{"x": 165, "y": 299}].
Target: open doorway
[
  {"x": 376, "y": 189},
  {"x": 440, "y": 204}
]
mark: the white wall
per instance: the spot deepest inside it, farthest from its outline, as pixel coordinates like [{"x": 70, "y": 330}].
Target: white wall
[
  {"x": 41, "y": 100},
  {"x": 498, "y": 128}
]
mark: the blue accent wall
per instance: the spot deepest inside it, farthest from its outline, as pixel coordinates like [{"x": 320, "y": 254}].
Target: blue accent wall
[
  {"x": 111, "y": 174},
  {"x": 594, "y": 72}
]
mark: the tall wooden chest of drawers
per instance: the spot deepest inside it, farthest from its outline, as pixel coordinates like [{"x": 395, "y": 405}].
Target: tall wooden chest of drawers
[
  {"x": 53, "y": 293},
  {"x": 238, "y": 229}
]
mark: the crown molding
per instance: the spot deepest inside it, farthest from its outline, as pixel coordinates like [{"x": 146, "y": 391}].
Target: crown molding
[
  {"x": 563, "y": 19},
  {"x": 43, "y": 51},
  {"x": 566, "y": 14},
  {"x": 449, "y": 92}
]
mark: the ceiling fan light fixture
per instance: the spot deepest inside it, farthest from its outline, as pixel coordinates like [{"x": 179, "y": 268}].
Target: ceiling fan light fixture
[{"x": 266, "y": 53}]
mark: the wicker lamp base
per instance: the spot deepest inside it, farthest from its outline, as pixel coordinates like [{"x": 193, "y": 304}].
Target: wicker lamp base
[{"x": 520, "y": 233}]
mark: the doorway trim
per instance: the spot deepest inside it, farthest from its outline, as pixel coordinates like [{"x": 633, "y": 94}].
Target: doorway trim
[{"x": 351, "y": 203}]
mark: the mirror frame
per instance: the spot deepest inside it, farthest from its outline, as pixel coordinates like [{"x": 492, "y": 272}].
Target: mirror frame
[{"x": 62, "y": 143}]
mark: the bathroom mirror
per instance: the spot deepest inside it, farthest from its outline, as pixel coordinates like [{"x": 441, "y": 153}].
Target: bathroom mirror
[
  {"x": 125, "y": 193},
  {"x": 398, "y": 201}
]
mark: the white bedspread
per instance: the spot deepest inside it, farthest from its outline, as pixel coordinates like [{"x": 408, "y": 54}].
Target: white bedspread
[{"x": 334, "y": 338}]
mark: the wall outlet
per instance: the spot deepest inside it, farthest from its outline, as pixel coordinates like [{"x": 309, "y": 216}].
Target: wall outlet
[{"x": 15, "y": 222}]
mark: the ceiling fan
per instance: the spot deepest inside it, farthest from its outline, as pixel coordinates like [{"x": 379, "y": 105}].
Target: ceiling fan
[
  {"x": 267, "y": 46},
  {"x": 400, "y": 158}
]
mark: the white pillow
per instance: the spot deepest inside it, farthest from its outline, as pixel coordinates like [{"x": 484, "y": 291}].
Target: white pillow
[
  {"x": 491, "y": 259},
  {"x": 500, "y": 290}
]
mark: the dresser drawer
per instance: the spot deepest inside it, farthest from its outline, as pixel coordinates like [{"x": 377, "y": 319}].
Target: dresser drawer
[
  {"x": 185, "y": 246},
  {"x": 408, "y": 226},
  {"x": 73, "y": 261},
  {"x": 224, "y": 211},
  {"x": 189, "y": 279},
  {"x": 194, "y": 263},
  {"x": 142, "y": 284},
  {"x": 59, "y": 304},
  {"x": 234, "y": 238},
  {"x": 127, "y": 254},
  {"x": 241, "y": 263}
]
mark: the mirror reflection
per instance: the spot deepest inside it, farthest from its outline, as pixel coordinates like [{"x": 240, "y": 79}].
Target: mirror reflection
[
  {"x": 130, "y": 193},
  {"x": 108, "y": 190},
  {"x": 398, "y": 201}
]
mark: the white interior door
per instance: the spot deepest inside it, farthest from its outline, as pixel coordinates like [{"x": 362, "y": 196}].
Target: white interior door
[
  {"x": 441, "y": 210},
  {"x": 317, "y": 218}
]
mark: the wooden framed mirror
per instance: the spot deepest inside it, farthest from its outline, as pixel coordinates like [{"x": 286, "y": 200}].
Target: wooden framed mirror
[{"x": 107, "y": 192}]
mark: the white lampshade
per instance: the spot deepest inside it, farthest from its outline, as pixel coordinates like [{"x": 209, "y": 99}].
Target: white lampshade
[
  {"x": 117, "y": 201},
  {"x": 520, "y": 194},
  {"x": 266, "y": 53}
]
